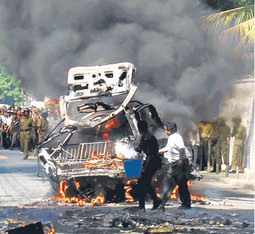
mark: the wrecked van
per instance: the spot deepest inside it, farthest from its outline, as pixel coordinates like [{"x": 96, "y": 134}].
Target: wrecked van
[{"x": 98, "y": 131}]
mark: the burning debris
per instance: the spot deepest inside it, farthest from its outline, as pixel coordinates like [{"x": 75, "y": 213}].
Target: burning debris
[
  {"x": 129, "y": 189},
  {"x": 36, "y": 228}
]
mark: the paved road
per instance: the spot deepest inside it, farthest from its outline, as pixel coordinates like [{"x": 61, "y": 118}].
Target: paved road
[
  {"x": 19, "y": 183},
  {"x": 23, "y": 198}
]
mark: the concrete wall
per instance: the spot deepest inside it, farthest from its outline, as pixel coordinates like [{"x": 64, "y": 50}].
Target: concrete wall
[{"x": 241, "y": 103}]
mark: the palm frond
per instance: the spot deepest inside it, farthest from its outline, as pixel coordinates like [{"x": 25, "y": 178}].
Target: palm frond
[
  {"x": 237, "y": 32},
  {"x": 247, "y": 41},
  {"x": 223, "y": 20}
]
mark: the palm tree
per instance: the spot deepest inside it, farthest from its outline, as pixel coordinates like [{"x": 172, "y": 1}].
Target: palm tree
[{"x": 235, "y": 25}]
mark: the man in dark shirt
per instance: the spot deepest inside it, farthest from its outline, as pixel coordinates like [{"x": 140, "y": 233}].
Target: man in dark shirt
[{"x": 149, "y": 145}]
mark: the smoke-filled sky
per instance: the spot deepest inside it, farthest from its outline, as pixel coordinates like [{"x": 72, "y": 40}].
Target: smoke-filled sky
[{"x": 180, "y": 70}]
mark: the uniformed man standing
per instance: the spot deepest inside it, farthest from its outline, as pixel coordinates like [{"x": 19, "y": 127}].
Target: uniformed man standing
[
  {"x": 34, "y": 139},
  {"x": 42, "y": 125},
  {"x": 205, "y": 130},
  {"x": 215, "y": 160},
  {"x": 25, "y": 127},
  {"x": 239, "y": 132},
  {"x": 223, "y": 142}
]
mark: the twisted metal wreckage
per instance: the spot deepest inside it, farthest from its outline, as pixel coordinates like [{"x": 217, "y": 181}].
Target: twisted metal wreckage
[{"x": 98, "y": 131}]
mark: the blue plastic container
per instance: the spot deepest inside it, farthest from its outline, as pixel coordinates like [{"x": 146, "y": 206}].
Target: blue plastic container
[{"x": 132, "y": 168}]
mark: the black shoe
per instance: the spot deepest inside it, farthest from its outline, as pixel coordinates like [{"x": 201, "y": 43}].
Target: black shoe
[
  {"x": 231, "y": 170},
  {"x": 25, "y": 157},
  {"x": 184, "y": 207},
  {"x": 156, "y": 205}
]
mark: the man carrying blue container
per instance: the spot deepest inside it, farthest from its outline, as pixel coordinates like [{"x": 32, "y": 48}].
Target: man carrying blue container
[{"x": 149, "y": 145}]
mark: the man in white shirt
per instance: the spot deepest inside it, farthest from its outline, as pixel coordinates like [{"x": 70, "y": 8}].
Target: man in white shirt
[{"x": 177, "y": 167}]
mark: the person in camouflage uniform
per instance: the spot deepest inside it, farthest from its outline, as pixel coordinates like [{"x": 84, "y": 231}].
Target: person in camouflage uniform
[
  {"x": 25, "y": 127},
  {"x": 222, "y": 147},
  {"x": 42, "y": 125},
  {"x": 35, "y": 122},
  {"x": 213, "y": 141},
  {"x": 204, "y": 130},
  {"x": 239, "y": 132}
]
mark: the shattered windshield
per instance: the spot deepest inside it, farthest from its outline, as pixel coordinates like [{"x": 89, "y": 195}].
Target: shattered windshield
[{"x": 76, "y": 109}]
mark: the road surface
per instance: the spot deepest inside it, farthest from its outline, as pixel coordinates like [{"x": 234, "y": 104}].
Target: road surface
[{"x": 26, "y": 198}]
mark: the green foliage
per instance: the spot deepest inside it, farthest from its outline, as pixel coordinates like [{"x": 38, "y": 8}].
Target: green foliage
[
  {"x": 10, "y": 92},
  {"x": 240, "y": 3},
  {"x": 224, "y": 5},
  {"x": 234, "y": 26}
]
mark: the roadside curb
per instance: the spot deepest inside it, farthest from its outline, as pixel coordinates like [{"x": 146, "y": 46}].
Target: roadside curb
[{"x": 240, "y": 182}]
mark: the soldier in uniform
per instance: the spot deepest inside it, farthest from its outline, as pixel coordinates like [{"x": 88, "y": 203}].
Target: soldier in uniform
[
  {"x": 42, "y": 125},
  {"x": 25, "y": 127},
  {"x": 215, "y": 159},
  {"x": 222, "y": 146},
  {"x": 34, "y": 139},
  {"x": 239, "y": 132},
  {"x": 204, "y": 129}
]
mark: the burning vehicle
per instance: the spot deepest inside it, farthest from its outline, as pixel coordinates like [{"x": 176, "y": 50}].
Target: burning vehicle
[{"x": 97, "y": 133}]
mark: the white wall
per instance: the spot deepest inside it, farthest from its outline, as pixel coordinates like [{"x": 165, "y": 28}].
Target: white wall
[{"x": 240, "y": 103}]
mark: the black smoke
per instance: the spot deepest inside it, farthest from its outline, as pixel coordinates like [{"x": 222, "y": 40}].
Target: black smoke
[{"x": 181, "y": 71}]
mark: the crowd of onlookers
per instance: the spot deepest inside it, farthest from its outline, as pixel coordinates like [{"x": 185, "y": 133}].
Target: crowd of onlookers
[{"x": 10, "y": 117}]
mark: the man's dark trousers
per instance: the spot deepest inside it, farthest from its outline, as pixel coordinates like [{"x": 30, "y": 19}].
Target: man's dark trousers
[
  {"x": 176, "y": 174},
  {"x": 144, "y": 182}
]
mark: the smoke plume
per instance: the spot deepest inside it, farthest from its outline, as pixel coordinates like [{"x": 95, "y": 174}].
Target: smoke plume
[{"x": 180, "y": 71}]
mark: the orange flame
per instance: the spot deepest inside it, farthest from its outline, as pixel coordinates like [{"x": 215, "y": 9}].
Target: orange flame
[
  {"x": 109, "y": 124},
  {"x": 104, "y": 161},
  {"x": 173, "y": 195},
  {"x": 198, "y": 198},
  {"x": 128, "y": 197},
  {"x": 113, "y": 164},
  {"x": 194, "y": 197},
  {"x": 77, "y": 185},
  {"x": 80, "y": 202},
  {"x": 93, "y": 156},
  {"x": 52, "y": 231},
  {"x": 62, "y": 195},
  {"x": 157, "y": 192},
  {"x": 99, "y": 199},
  {"x": 128, "y": 188},
  {"x": 23, "y": 224}
]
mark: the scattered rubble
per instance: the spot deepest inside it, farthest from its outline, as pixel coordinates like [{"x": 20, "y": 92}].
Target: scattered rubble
[
  {"x": 217, "y": 215},
  {"x": 245, "y": 225},
  {"x": 121, "y": 218}
]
